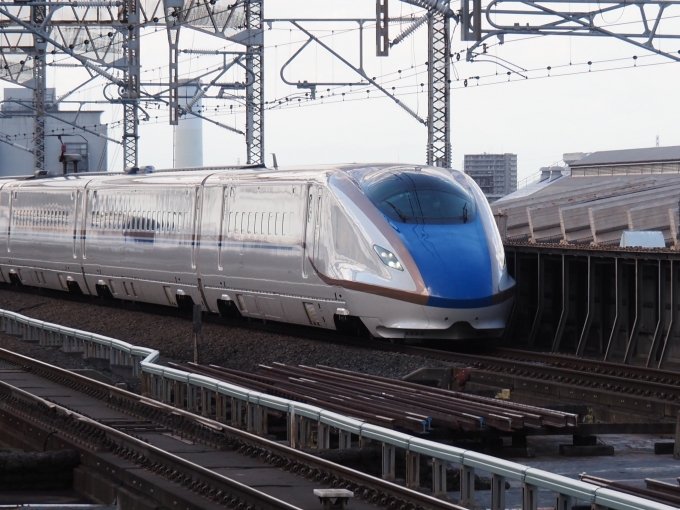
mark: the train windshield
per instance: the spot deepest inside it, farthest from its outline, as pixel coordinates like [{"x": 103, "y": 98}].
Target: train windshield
[{"x": 419, "y": 197}]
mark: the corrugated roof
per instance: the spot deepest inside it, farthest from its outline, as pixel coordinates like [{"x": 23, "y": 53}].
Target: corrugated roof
[{"x": 629, "y": 156}]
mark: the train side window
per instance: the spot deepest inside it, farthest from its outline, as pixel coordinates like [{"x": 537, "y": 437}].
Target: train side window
[
  {"x": 251, "y": 223},
  {"x": 244, "y": 224},
  {"x": 237, "y": 223},
  {"x": 229, "y": 224},
  {"x": 310, "y": 208},
  {"x": 277, "y": 225},
  {"x": 262, "y": 223},
  {"x": 270, "y": 224},
  {"x": 256, "y": 230},
  {"x": 283, "y": 224}
]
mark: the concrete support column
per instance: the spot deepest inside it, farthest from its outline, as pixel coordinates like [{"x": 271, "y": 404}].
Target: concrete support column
[
  {"x": 304, "y": 428},
  {"x": 323, "y": 436},
  {"x": 439, "y": 478},
  {"x": 221, "y": 408},
  {"x": 344, "y": 440},
  {"x": 529, "y": 497},
  {"x": 412, "y": 470},
  {"x": 192, "y": 398},
  {"x": 262, "y": 420},
  {"x": 179, "y": 394},
  {"x": 497, "y": 492},
  {"x": 563, "y": 502},
  {"x": 292, "y": 429},
  {"x": 205, "y": 402},
  {"x": 467, "y": 486},
  {"x": 388, "y": 459},
  {"x": 236, "y": 409}
]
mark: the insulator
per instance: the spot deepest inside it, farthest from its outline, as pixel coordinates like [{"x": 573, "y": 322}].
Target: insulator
[
  {"x": 441, "y": 6},
  {"x": 414, "y": 26}
]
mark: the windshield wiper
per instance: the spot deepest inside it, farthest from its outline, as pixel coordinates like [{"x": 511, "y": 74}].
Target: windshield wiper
[
  {"x": 465, "y": 213},
  {"x": 403, "y": 218}
]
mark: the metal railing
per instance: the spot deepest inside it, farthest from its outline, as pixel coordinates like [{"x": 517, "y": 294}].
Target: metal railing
[{"x": 249, "y": 408}]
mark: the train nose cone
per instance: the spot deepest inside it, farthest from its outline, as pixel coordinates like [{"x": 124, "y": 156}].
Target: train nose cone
[{"x": 454, "y": 262}]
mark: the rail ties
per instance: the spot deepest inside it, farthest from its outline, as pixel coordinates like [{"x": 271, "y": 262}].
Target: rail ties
[{"x": 389, "y": 402}]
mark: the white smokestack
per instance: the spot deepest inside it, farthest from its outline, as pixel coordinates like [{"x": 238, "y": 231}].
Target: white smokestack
[{"x": 189, "y": 131}]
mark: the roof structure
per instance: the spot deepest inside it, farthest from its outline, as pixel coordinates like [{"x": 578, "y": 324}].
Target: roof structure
[
  {"x": 586, "y": 206},
  {"x": 630, "y": 156}
]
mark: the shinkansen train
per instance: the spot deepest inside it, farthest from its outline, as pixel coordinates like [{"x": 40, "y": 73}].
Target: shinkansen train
[{"x": 402, "y": 251}]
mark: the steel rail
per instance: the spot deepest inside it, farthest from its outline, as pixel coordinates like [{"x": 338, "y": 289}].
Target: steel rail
[
  {"x": 374, "y": 412},
  {"x": 146, "y": 455},
  {"x": 383, "y": 421},
  {"x": 530, "y": 414},
  {"x": 368, "y": 487},
  {"x": 462, "y": 420},
  {"x": 537, "y": 370},
  {"x": 593, "y": 365},
  {"x": 549, "y": 417}
]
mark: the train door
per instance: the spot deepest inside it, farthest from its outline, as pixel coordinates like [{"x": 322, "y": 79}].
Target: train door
[
  {"x": 12, "y": 199},
  {"x": 196, "y": 227},
  {"x": 317, "y": 224},
  {"x": 79, "y": 221},
  {"x": 310, "y": 231},
  {"x": 225, "y": 223}
]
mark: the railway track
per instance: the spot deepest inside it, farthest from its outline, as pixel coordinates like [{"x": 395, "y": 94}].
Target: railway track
[
  {"x": 635, "y": 383},
  {"x": 174, "y": 444},
  {"x": 539, "y": 367}
]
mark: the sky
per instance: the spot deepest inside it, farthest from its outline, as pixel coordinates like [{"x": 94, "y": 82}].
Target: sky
[{"x": 616, "y": 102}]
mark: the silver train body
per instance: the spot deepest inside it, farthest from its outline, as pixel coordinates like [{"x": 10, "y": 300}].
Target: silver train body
[{"x": 325, "y": 247}]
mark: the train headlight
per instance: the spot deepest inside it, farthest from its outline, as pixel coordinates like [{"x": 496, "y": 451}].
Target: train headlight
[{"x": 388, "y": 258}]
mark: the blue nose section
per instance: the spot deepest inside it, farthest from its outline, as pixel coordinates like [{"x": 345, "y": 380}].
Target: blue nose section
[{"x": 454, "y": 262}]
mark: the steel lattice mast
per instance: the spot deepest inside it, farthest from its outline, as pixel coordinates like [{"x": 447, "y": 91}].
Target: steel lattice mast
[
  {"x": 439, "y": 87},
  {"x": 39, "y": 89},
  {"x": 131, "y": 94},
  {"x": 255, "y": 80}
]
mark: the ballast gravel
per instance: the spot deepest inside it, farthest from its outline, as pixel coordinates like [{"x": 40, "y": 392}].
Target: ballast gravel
[{"x": 221, "y": 344}]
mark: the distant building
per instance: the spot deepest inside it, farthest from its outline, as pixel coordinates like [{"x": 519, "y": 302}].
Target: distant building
[
  {"x": 16, "y": 134},
  {"x": 496, "y": 174}
]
